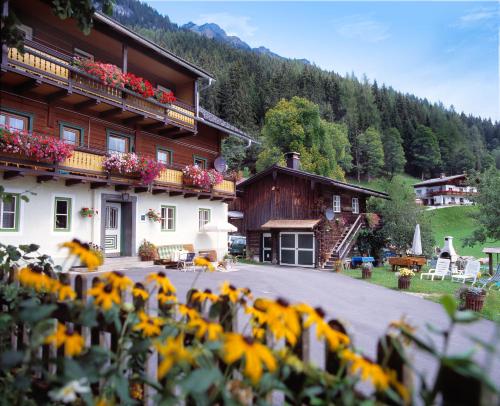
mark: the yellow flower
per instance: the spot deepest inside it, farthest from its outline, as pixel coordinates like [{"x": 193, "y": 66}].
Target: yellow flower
[
  {"x": 255, "y": 354},
  {"x": 162, "y": 281},
  {"x": 188, "y": 311},
  {"x": 334, "y": 338},
  {"x": 149, "y": 326},
  {"x": 401, "y": 389},
  {"x": 172, "y": 352},
  {"x": 118, "y": 280},
  {"x": 140, "y": 291},
  {"x": 62, "y": 290},
  {"x": 201, "y": 261},
  {"x": 203, "y": 327},
  {"x": 166, "y": 298},
  {"x": 73, "y": 342},
  {"x": 230, "y": 291},
  {"x": 258, "y": 333},
  {"x": 199, "y": 296},
  {"x": 89, "y": 257},
  {"x": 33, "y": 277},
  {"x": 257, "y": 315},
  {"x": 282, "y": 319},
  {"x": 105, "y": 295},
  {"x": 367, "y": 370}
]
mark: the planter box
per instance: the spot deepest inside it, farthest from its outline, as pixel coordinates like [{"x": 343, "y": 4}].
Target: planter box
[
  {"x": 404, "y": 283},
  {"x": 366, "y": 273},
  {"x": 474, "y": 302}
]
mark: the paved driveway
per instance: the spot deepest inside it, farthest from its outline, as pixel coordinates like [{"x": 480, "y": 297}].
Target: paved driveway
[{"x": 367, "y": 309}]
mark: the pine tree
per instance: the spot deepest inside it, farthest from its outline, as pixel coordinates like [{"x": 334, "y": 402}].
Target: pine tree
[
  {"x": 425, "y": 151},
  {"x": 394, "y": 155},
  {"x": 372, "y": 152}
]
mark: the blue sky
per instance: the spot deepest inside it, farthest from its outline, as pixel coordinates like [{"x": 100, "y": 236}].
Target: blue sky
[{"x": 445, "y": 51}]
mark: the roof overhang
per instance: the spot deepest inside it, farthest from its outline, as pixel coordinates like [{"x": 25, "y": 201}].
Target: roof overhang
[
  {"x": 232, "y": 214},
  {"x": 290, "y": 224}
]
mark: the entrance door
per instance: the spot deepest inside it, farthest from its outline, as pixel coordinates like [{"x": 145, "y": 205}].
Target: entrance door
[
  {"x": 267, "y": 247},
  {"x": 297, "y": 249},
  {"x": 112, "y": 228}
]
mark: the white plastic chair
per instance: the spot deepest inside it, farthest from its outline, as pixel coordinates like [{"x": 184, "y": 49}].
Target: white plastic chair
[
  {"x": 470, "y": 272},
  {"x": 442, "y": 269}
]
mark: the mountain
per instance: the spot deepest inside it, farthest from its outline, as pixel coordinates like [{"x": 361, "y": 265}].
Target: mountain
[{"x": 250, "y": 81}]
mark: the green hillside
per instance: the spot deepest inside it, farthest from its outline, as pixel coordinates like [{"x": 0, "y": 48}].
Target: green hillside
[
  {"x": 459, "y": 223},
  {"x": 379, "y": 183}
]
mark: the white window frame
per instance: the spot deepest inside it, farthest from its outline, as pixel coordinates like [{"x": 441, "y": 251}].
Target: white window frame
[
  {"x": 165, "y": 217},
  {"x": 206, "y": 219},
  {"x": 355, "y": 205},
  {"x": 336, "y": 204},
  {"x": 15, "y": 196}
]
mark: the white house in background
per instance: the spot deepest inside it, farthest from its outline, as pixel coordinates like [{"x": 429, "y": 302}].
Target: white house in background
[{"x": 445, "y": 191}]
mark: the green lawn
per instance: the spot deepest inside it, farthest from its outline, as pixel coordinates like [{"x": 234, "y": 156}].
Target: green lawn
[
  {"x": 459, "y": 223},
  {"x": 432, "y": 290},
  {"x": 378, "y": 184}
]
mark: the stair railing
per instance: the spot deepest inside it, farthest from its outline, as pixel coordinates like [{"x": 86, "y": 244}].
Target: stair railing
[{"x": 343, "y": 246}]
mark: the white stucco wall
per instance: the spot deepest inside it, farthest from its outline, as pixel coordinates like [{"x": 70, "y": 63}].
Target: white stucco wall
[{"x": 36, "y": 218}]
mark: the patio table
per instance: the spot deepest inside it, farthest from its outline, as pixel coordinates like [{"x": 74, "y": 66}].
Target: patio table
[{"x": 355, "y": 261}]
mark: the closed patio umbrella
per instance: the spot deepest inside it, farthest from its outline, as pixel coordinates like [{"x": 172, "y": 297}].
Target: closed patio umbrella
[
  {"x": 219, "y": 227},
  {"x": 416, "y": 246}
]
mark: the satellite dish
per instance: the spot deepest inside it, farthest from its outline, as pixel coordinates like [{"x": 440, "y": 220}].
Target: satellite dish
[
  {"x": 330, "y": 214},
  {"x": 220, "y": 164}
]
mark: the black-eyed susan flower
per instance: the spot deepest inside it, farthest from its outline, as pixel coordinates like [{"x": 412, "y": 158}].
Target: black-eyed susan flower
[
  {"x": 172, "y": 352},
  {"x": 282, "y": 319},
  {"x": 199, "y": 296},
  {"x": 188, "y": 311},
  {"x": 257, "y": 315},
  {"x": 139, "y": 291},
  {"x": 205, "y": 329},
  {"x": 89, "y": 257},
  {"x": 205, "y": 263},
  {"x": 166, "y": 298},
  {"x": 72, "y": 341},
  {"x": 62, "y": 291},
  {"x": 148, "y": 326},
  {"x": 118, "y": 280},
  {"x": 230, "y": 291},
  {"x": 162, "y": 281},
  {"x": 367, "y": 370},
  {"x": 105, "y": 295},
  {"x": 255, "y": 355},
  {"x": 33, "y": 277},
  {"x": 401, "y": 389}
]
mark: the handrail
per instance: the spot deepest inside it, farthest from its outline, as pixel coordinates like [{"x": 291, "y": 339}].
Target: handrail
[{"x": 354, "y": 226}]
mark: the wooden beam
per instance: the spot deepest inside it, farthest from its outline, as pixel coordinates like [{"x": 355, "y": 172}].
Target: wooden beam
[
  {"x": 181, "y": 134},
  {"x": 72, "y": 182},
  {"x": 190, "y": 194},
  {"x": 111, "y": 112},
  {"x": 140, "y": 189},
  {"x": 228, "y": 199},
  {"x": 159, "y": 191},
  {"x": 60, "y": 94},
  {"x": 27, "y": 86},
  {"x": 216, "y": 198},
  {"x": 174, "y": 193},
  {"x": 122, "y": 188},
  {"x": 169, "y": 131},
  {"x": 86, "y": 104},
  {"x": 97, "y": 185},
  {"x": 45, "y": 178},
  {"x": 153, "y": 126},
  {"x": 204, "y": 197},
  {"x": 12, "y": 174},
  {"x": 132, "y": 120}
]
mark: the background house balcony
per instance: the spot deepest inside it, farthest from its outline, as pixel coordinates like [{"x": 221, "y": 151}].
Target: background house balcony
[
  {"x": 450, "y": 193},
  {"x": 85, "y": 166},
  {"x": 52, "y": 76}
]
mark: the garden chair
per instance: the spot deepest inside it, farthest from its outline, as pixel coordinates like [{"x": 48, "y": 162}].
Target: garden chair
[
  {"x": 186, "y": 262},
  {"x": 470, "y": 272},
  {"x": 493, "y": 280},
  {"x": 440, "y": 271}
]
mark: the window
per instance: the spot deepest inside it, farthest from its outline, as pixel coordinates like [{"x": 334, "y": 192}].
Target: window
[
  {"x": 167, "y": 218},
  {"x": 164, "y": 156},
  {"x": 118, "y": 143},
  {"x": 336, "y": 204},
  {"x": 355, "y": 205},
  {"x": 201, "y": 162},
  {"x": 62, "y": 216},
  {"x": 71, "y": 134},
  {"x": 15, "y": 121},
  {"x": 81, "y": 54},
  {"x": 9, "y": 213},
  {"x": 111, "y": 218},
  {"x": 203, "y": 218}
]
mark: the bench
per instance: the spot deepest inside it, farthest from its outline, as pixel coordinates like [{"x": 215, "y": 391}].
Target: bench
[{"x": 166, "y": 253}]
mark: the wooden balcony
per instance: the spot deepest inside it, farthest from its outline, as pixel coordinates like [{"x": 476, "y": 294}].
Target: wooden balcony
[
  {"x": 87, "y": 167},
  {"x": 45, "y": 67},
  {"x": 450, "y": 193}
]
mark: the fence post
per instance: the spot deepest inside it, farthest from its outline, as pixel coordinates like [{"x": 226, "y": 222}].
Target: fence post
[{"x": 332, "y": 361}]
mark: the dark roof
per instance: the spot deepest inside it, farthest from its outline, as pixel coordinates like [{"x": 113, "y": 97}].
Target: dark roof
[
  {"x": 443, "y": 179},
  {"x": 212, "y": 120},
  {"x": 199, "y": 72},
  {"x": 317, "y": 178}
]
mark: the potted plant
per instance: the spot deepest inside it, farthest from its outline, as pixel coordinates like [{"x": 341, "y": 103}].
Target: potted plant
[
  {"x": 404, "y": 278},
  {"x": 153, "y": 216},
  {"x": 366, "y": 270},
  {"x": 147, "y": 251},
  {"x": 338, "y": 265},
  {"x": 471, "y": 298},
  {"x": 88, "y": 212}
]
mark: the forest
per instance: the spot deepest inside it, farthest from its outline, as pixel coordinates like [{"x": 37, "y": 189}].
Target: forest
[{"x": 387, "y": 131}]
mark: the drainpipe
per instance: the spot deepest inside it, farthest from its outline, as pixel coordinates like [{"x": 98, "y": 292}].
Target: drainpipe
[{"x": 210, "y": 81}]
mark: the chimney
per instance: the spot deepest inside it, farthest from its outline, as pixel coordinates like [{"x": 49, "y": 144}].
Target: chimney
[
  {"x": 292, "y": 160},
  {"x": 443, "y": 175}
]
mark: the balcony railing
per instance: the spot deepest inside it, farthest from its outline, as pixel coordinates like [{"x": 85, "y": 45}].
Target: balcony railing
[
  {"x": 90, "y": 164},
  {"x": 47, "y": 65},
  {"x": 451, "y": 193}
]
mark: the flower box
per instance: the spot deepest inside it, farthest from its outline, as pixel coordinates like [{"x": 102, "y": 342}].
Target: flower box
[
  {"x": 404, "y": 282},
  {"x": 193, "y": 175},
  {"x": 366, "y": 273},
  {"x": 133, "y": 166},
  {"x": 474, "y": 301}
]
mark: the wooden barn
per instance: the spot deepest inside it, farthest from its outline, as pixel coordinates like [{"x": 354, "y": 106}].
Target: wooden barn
[{"x": 295, "y": 218}]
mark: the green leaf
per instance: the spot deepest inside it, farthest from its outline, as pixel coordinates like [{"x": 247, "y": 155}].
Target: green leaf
[
  {"x": 466, "y": 316},
  {"x": 200, "y": 380},
  {"x": 29, "y": 248},
  {"x": 10, "y": 359},
  {"x": 31, "y": 315},
  {"x": 122, "y": 390},
  {"x": 25, "y": 198},
  {"x": 449, "y": 304}
]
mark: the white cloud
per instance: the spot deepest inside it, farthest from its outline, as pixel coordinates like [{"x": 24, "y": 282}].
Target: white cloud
[
  {"x": 362, "y": 28},
  {"x": 241, "y": 26},
  {"x": 484, "y": 15}
]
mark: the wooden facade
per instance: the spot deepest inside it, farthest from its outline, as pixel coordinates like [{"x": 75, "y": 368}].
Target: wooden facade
[{"x": 289, "y": 194}]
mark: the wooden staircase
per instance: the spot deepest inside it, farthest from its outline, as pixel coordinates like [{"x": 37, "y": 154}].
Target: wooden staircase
[{"x": 344, "y": 243}]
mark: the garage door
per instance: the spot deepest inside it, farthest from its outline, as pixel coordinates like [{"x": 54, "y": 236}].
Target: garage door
[{"x": 297, "y": 249}]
